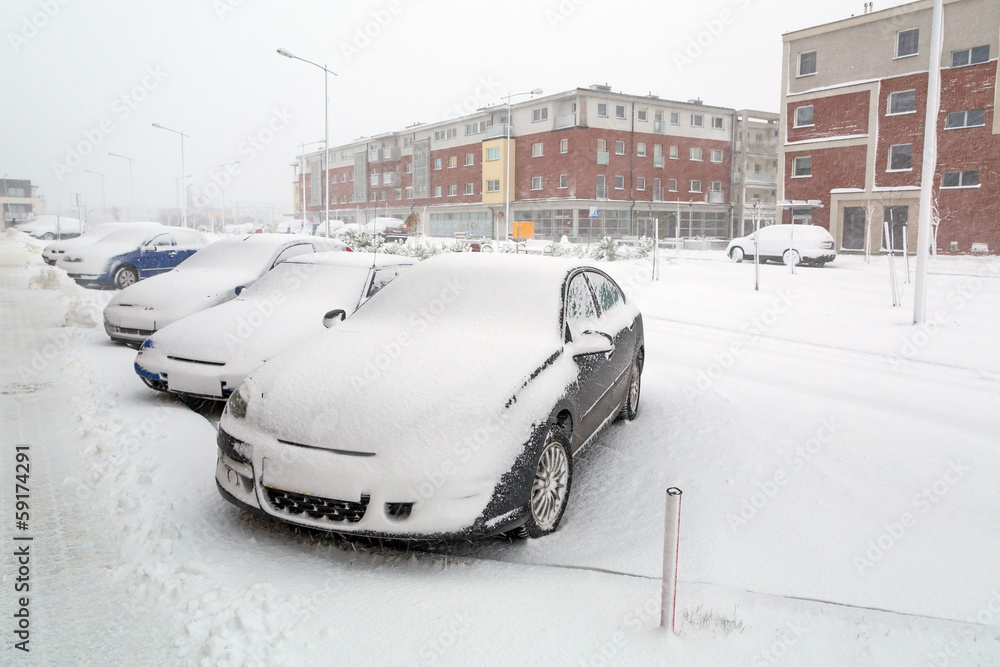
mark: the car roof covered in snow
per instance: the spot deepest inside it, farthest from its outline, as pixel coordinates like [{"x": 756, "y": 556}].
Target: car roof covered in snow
[{"x": 359, "y": 259}]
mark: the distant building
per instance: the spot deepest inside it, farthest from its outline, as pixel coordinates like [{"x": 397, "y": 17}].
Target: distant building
[
  {"x": 755, "y": 168},
  {"x": 852, "y": 111},
  {"x": 585, "y": 163},
  {"x": 20, "y": 201}
]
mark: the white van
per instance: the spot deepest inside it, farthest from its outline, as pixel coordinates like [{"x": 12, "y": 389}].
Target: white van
[{"x": 791, "y": 244}]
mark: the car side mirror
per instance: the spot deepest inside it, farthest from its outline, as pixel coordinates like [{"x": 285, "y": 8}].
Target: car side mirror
[
  {"x": 334, "y": 316},
  {"x": 239, "y": 289},
  {"x": 589, "y": 343}
]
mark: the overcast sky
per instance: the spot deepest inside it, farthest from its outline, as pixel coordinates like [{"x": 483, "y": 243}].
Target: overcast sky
[{"x": 92, "y": 76}]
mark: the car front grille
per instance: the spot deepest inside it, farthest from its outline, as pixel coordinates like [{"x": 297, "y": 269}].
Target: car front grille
[
  {"x": 134, "y": 332},
  {"x": 316, "y": 507}
]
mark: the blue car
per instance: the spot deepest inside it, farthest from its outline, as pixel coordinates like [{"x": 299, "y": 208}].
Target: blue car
[{"x": 129, "y": 255}]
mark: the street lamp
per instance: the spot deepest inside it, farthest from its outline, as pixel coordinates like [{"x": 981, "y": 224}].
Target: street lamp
[
  {"x": 184, "y": 214},
  {"x": 326, "y": 129},
  {"x": 6, "y": 204},
  {"x": 177, "y": 194},
  {"x": 130, "y": 187},
  {"x": 506, "y": 196},
  {"x": 104, "y": 203},
  {"x": 220, "y": 166}
]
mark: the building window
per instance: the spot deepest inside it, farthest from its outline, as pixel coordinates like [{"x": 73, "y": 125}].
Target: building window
[
  {"x": 373, "y": 197},
  {"x": 718, "y": 123},
  {"x": 563, "y": 180},
  {"x": 973, "y": 118},
  {"x": 493, "y": 154},
  {"x": 409, "y": 193},
  {"x": 674, "y": 152},
  {"x": 619, "y": 148},
  {"x": 802, "y": 167},
  {"x": 437, "y": 163},
  {"x": 536, "y": 149},
  {"x": 675, "y": 118},
  {"x": 398, "y": 194},
  {"x": 470, "y": 188},
  {"x": 620, "y": 112},
  {"x": 697, "y": 120},
  {"x": 343, "y": 199},
  {"x": 804, "y": 116},
  {"x": 538, "y": 115},
  {"x": 564, "y": 145},
  {"x": 807, "y": 63},
  {"x": 960, "y": 179},
  {"x": 641, "y": 115},
  {"x": 901, "y": 157},
  {"x": 470, "y": 159},
  {"x": 802, "y": 216},
  {"x": 696, "y": 154},
  {"x": 906, "y": 42},
  {"x": 905, "y": 101},
  {"x": 476, "y": 128},
  {"x": 441, "y": 135},
  {"x": 640, "y": 183},
  {"x": 715, "y": 186},
  {"x": 409, "y": 167},
  {"x": 672, "y": 185},
  {"x": 493, "y": 185},
  {"x": 452, "y": 190},
  {"x": 437, "y": 190},
  {"x": 602, "y": 109},
  {"x": 716, "y": 156},
  {"x": 640, "y": 150},
  {"x": 619, "y": 182},
  {"x": 453, "y": 162},
  {"x": 602, "y": 188},
  {"x": 536, "y": 182},
  {"x": 695, "y": 186},
  {"x": 343, "y": 177},
  {"x": 980, "y": 54}
]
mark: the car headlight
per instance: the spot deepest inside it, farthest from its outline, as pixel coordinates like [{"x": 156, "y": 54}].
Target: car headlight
[{"x": 236, "y": 406}]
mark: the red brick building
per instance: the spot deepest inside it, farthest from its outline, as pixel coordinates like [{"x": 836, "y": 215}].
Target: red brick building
[{"x": 853, "y": 111}]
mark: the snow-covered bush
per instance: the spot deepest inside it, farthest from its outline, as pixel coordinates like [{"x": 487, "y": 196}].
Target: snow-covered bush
[{"x": 606, "y": 250}]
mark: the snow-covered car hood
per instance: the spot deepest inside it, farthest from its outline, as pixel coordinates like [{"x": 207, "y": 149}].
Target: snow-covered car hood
[
  {"x": 180, "y": 292},
  {"x": 437, "y": 366},
  {"x": 50, "y": 224},
  {"x": 56, "y": 248}
]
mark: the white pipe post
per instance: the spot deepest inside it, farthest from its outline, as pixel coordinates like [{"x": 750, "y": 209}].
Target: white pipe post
[
  {"x": 671, "y": 545},
  {"x": 929, "y": 161}
]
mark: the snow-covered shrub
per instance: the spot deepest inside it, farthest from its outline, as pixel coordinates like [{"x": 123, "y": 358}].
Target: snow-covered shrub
[{"x": 606, "y": 250}]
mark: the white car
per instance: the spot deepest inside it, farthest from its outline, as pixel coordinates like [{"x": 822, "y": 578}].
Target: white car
[
  {"x": 55, "y": 250},
  {"x": 214, "y": 275},
  {"x": 791, "y": 244},
  {"x": 207, "y": 355},
  {"x": 50, "y": 227}
]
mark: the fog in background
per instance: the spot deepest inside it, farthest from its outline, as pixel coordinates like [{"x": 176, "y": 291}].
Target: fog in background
[{"x": 81, "y": 79}]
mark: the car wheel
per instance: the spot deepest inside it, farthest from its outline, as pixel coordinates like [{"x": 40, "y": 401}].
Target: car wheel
[
  {"x": 736, "y": 254},
  {"x": 550, "y": 487},
  {"x": 125, "y": 276},
  {"x": 631, "y": 407},
  {"x": 487, "y": 247},
  {"x": 791, "y": 258},
  {"x": 49, "y": 236}
]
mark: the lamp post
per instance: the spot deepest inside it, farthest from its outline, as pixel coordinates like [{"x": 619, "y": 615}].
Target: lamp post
[
  {"x": 326, "y": 129},
  {"x": 220, "y": 166},
  {"x": 184, "y": 215},
  {"x": 177, "y": 193},
  {"x": 104, "y": 203},
  {"x": 506, "y": 195},
  {"x": 302, "y": 188},
  {"x": 130, "y": 186},
  {"x": 6, "y": 204}
]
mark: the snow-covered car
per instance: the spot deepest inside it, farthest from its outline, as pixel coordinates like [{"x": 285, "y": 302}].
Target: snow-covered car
[
  {"x": 53, "y": 251},
  {"x": 50, "y": 227},
  {"x": 214, "y": 275},
  {"x": 321, "y": 228},
  {"x": 208, "y": 354},
  {"x": 126, "y": 256},
  {"x": 497, "y": 369},
  {"x": 791, "y": 244}
]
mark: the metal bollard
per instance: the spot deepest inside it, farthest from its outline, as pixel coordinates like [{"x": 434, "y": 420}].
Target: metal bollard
[{"x": 671, "y": 545}]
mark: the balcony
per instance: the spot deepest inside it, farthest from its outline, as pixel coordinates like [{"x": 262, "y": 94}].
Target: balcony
[
  {"x": 391, "y": 178},
  {"x": 762, "y": 147},
  {"x": 499, "y": 130},
  {"x": 658, "y": 162},
  {"x": 762, "y": 179},
  {"x": 716, "y": 198},
  {"x": 569, "y": 120},
  {"x": 657, "y": 194},
  {"x": 375, "y": 180},
  {"x": 602, "y": 192},
  {"x": 390, "y": 154},
  {"x": 659, "y": 127},
  {"x": 603, "y": 157}
]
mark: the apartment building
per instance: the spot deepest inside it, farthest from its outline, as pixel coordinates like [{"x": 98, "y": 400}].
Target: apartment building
[
  {"x": 853, "y": 110},
  {"x": 585, "y": 163},
  {"x": 19, "y": 201},
  {"x": 755, "y": 168}
]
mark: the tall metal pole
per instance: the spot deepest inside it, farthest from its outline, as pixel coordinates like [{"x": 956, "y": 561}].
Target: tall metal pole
[
  {"x": 929, "y": 161},
  {"x": 183, "y": 177},
  {"x": 506, "y": 183},
  {"x": 104, "y": 201},
  {"x": 326, "y": 146},
  {"x": 130, "y": 184}
]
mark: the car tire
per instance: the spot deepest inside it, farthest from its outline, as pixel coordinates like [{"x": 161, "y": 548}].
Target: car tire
[
  {"x": 550, "y": 487},
  {"x": 631, "y": 407},
  {"x": 126, "y": 275},
  {"x": 49, "y": 236},
  {"x": 736, "y": 254},
  {"x": 487, "y": 247},
  {"x": 791, "y": 258}
]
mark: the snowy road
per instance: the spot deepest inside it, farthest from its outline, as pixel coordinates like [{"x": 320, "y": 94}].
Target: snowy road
[{"x": 830, "y": 455}]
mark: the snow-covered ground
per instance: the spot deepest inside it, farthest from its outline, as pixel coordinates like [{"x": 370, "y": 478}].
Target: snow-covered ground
[{"x": 839, "y": 469}]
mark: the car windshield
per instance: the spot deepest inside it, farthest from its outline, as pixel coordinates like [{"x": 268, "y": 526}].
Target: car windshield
[
  {"x": 232, "y": 254},
  {"x": 307, "y": 280}
]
